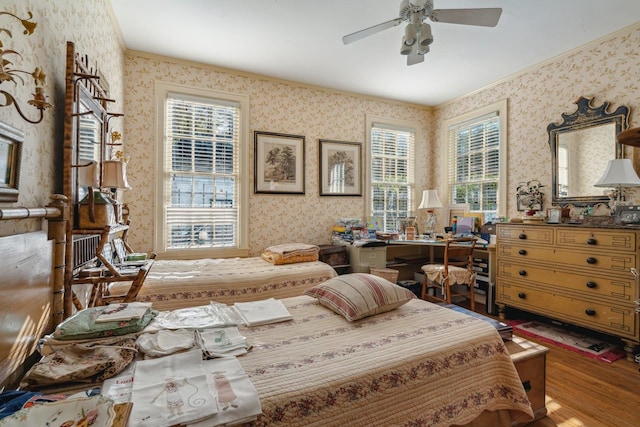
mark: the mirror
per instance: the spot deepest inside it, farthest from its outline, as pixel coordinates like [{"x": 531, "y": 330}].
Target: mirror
[
  {"x": 89, "y": 134},
  {"x": 581, "y": 147}
]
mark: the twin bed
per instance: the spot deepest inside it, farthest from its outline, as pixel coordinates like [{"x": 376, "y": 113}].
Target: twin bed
[
  {"x": 173, "y": 284},
  {"x": 419, "y": 364}
]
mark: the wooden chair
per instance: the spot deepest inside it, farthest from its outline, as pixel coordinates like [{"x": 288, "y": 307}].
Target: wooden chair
[{"x": 456, "y": 269}]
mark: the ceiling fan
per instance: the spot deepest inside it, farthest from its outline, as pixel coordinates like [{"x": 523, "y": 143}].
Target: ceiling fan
[{"x": 417, "y": 34}]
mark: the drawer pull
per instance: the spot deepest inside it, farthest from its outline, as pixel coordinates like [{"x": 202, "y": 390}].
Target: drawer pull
[
  {"x": 591, "y": 285},
  {"x": 522, "y": 236},
  {"x": 522, "y": 295},
  {"x": 522, "y": 252},
  {"x": 591, "y": 241},
  {"x": 590, "y": 312},
  {"x": 591, "y": 260},
  {"x": 522, "y": 272},
  {"x": 527, "y": 386}
]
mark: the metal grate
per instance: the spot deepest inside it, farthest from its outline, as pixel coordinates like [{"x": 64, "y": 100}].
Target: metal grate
[{"x": 84, "y": 249}]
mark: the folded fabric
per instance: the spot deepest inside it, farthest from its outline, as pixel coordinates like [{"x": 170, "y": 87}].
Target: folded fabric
[
  {"x": 205, "y": 316},
  {"x": 81, "y": 363},
  {"x": 236, "y": 397},
  {"x": 122, "y": 311},
  {"x": 83, "y": 325},
  {"x": 262, "y": 312},
  {"x": 291, "y": 253},
  {"x": 171, "y": 390},
  {"x": 222, "y": 342},
  {"x": 165, "y": 342}
]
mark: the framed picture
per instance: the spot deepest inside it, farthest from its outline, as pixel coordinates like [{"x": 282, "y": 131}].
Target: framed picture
[
  {"x": 11, "y": 140},
  {"x": 279, "y": 163},
  {"x": 340, "y": 168},
  {"x": 405, "y": 222},
  {"x": 457, "y": 210}
]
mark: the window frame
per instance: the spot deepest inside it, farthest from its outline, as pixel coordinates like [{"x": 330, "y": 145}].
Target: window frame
[
  {"x": 162, "y": 91},
  {"x": 499, "y": 108},
  {"x": 412, "y": 203}
]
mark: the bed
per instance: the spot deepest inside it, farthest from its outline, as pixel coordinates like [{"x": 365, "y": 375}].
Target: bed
[
  {"x": 173, "y": 284},
  {"x": 420, "y": 364}
]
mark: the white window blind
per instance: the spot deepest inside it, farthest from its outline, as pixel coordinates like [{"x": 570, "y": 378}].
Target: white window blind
[
  {"x": 474, "y": 164},
  {"x": 201, "y": 172},
  {"x": 392, "y": 173}
]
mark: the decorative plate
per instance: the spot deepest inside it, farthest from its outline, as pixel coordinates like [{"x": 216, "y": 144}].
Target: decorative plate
[{"x": 96, "y": 411}]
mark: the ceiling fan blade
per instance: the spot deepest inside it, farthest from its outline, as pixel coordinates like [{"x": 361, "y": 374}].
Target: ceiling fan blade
[
  {"x": 487, "y": 17},
  {"x": 358, "y": 35},
  {"x": 414, "y": 58}
]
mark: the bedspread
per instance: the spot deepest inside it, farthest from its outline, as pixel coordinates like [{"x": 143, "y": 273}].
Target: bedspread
[
  {"x": 418, "y": 365},
  {"x": 173, "y": 284}
]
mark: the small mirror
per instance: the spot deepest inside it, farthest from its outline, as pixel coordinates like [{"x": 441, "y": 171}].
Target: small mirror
[{"x": 581, "y": 147}]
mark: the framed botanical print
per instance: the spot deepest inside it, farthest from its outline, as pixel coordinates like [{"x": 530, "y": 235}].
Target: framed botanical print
[
  {"x": 279, "y": 163},
  {"x": 340, "y": 168}
]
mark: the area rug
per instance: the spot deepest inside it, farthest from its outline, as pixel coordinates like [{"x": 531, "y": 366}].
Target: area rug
[{"x": 570, "y": 340}]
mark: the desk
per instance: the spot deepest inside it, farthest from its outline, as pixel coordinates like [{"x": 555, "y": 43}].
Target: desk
[{"x": 407, "y": 256}]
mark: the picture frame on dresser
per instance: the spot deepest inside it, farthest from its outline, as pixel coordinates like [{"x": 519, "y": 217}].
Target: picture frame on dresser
[
  {"x": 11, "y": 140},
  {"x": 340, "y": 168},
  {"x": 279, "y": 163}
]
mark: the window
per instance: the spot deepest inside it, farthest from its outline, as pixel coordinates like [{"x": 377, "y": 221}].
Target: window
[
  {"x": 391, "y": 168},
  {"x": 202, "y": 192},
  {"x": 475, "y": 159}
]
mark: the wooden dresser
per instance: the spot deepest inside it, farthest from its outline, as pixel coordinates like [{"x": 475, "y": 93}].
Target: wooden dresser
[{"x": 579, "y": 275}]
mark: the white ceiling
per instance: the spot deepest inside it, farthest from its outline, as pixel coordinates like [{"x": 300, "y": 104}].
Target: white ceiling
[{"x": 301, "y": 40}]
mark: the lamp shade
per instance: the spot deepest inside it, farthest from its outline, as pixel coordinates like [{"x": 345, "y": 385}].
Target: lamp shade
[
  {"x": 114, "y": 174},
  {"x": 619, "y": 173},
  {"x": 88, "y": 175},
  {"x": 430, "y": 200}
]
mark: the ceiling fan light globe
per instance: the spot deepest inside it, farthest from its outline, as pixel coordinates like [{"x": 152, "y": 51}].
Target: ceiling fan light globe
[
  {"x": 423, "y": 49},
  {"x": 405, "y": 49},
  {"x": 426, "y": 37},
  {"x": 410, "y": 35}
]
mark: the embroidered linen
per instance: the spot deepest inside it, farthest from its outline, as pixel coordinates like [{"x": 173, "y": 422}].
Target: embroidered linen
[
  {"x": 222, "y": 342},
  {"x": 81, "y": 363},
  {"x": 171, "y": 390},
  {"x": 83, "y": 325},
  {"x": 165, "y": 342},
  {"x": 235, "y": 395},
  {"x": 262, "y": 312}
]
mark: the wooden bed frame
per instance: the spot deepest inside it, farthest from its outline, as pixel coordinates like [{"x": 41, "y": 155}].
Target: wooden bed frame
[{"x": 32, "y": 289}]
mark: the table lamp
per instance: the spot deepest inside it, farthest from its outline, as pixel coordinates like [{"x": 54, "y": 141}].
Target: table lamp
[
  {"x": 618, "y": 175},
  {"x": 430, "y": 201}
]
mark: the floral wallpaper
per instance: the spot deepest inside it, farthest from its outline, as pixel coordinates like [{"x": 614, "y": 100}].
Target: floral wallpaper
[
  {"x": 275, "y": 106},
  {"x": 607, "y": 70},
  {"x": 90, "y": 28}
]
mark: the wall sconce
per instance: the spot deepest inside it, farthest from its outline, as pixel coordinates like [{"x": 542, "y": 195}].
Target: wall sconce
[{"x": 9, "y": 74}]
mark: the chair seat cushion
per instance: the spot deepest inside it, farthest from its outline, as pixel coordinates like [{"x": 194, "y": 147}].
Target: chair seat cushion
[{"x": 457, "y": 275}]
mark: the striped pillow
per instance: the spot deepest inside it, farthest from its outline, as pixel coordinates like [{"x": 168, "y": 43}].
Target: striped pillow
[{"x": 359, "y": 295}]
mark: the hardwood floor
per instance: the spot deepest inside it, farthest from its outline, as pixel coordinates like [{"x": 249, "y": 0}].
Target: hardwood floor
[{"x": 584, "y": 392}]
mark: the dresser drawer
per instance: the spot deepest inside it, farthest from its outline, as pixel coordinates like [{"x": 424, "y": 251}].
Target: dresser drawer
[
  {"x": 532, "y": 234},
  {"x": 611, "y": 240},
  {"x": 621, "y": 288},
  {"x": 592, "y": 262},
  {"x": 615, "y": 319}
]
